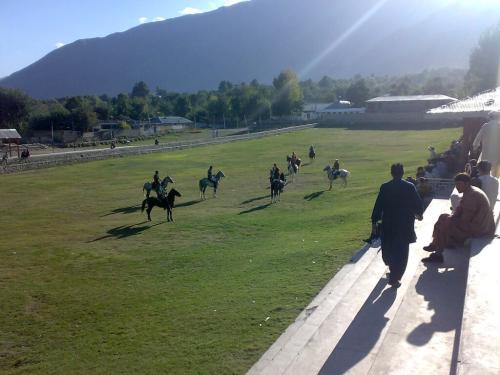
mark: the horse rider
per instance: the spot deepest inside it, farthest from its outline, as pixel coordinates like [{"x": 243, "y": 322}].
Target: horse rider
[
  {"x": 294, "y": 158},
  {"x": 336, "y": 165},
  {"x": 156, "y": 182},
  {"x": 311, "y": 150},
  {"x": 210, "y": 175},
  {"x": 275, "y": 173}
]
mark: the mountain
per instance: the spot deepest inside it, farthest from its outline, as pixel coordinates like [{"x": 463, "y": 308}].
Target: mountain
[{"x": 258, "y": 39}]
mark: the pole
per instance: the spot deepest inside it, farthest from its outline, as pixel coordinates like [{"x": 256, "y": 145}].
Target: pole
[
  {"x": 224, "y": 118},
  {"x": 52, "y": 131}
]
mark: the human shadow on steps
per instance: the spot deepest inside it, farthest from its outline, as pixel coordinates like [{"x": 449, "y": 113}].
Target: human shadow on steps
[
  {"x": 443, "y": 287},
  {"x": 363, "y": 332}
]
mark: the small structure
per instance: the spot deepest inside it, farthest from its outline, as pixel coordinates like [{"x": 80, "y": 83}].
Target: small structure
[
  {"x": 406, "y": 104},
  {"x": 10, "y": 136},
  {"x": 319, "y": 111},
  {"x": 171, "y": 122}
]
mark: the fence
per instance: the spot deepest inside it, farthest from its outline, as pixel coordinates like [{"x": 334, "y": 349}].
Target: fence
[{"x": 70, "y": 157}]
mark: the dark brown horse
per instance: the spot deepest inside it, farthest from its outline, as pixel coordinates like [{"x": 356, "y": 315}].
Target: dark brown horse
[{"x": 166, "y": 203}]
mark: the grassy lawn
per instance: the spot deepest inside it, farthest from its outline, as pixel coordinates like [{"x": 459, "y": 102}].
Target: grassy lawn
[{"x": 87, "y": 286}]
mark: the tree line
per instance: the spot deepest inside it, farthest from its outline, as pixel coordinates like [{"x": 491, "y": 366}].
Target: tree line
[{"x": 235, "y": 104}]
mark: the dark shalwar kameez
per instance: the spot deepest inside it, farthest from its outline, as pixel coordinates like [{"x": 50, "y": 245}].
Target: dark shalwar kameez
[{"x": 397, "y": 204}]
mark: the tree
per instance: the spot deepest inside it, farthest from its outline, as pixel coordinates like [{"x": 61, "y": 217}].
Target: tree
[
  {"x": 288, "y": 97},
  {"x": 121, "y": 106},
  {"x": 358, "y": 93},
  {"x": 182, "y": 106},
  {"x": 484, "y": 63},
  {"x": 140, "y": 90},
  {"x": 13, "y": 108}
]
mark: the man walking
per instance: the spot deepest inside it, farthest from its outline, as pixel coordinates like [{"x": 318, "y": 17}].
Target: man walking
[{"x": 397, "y": 205}]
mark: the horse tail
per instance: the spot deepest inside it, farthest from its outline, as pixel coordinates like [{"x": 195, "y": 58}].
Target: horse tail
[
  {"x": 200, "y": 185},
  {"x": 143, "y": 205}
]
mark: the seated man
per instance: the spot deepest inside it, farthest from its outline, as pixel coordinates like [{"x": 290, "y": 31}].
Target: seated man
[
  {"x": 472, "y": 218},
  {"x": 488, "y": 183}
]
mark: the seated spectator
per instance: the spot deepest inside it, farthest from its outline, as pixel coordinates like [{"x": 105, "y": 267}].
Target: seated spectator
[
  {"x": 424, "y": 189},
  {"x": 488, "y": 183},
  {"x": 441, "y": 168},
  {"x": 472, "y": 218},
  {"x": 471, "y": 168},
  {"x": 420, "y": 172},
  {"x": 431, "y": 171}
]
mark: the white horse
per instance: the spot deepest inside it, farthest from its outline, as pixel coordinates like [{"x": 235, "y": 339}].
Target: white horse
[
  {"x": 333, "y": 174},
  {"x": 148, "y": 186},
  {"x": 293, "y": 169}
]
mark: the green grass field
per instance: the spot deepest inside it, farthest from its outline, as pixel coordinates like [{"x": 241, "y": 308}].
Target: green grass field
[{"x": 87, "y": 286}]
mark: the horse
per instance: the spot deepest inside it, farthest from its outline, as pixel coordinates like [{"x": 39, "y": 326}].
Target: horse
[
  {"x": 277, "y": 186},
  {"x": 333, "y": 174},
  {"x": 205, "y": 182},
  {"x": 148, "y": 186},
  {"x": 312, "y": 153},
  {"x": 166, "y": 203},
  {"x": 293, "y": 169}
]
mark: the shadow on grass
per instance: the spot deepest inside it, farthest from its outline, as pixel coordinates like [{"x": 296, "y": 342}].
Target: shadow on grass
[
  {"x": 315, "y": 195},
  {"x": 124, "y": 210},
  {"x": 187, "y": 204},
  {"x": 125, "y": 231},
  {"x": 255, "y": 199},
  {"x": 258, "y": 208}
]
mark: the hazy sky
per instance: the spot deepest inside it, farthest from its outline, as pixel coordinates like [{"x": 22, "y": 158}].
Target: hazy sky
[{"x": 29, "y": 29}]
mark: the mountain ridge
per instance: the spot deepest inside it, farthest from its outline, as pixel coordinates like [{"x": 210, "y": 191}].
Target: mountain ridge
[{"x": 257, "y": 40}]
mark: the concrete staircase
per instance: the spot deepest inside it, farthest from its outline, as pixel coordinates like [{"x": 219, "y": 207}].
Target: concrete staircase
[{"x": 359, "y": 325}]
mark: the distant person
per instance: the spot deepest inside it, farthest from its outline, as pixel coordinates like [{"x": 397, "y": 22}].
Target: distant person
[
  {"x": 488, "y": 139},
  {"x": 420, "y": 172},
  {"x": 113, "y": 145},
  {"x": 5, "y": 158},
  {"x": 336, "y": 165},
  {"x": 397, "y": 206},
  {"x": 157, "y": 142},
  {"x": 488, "y": 183},
  {"x": 472, "y": 218}
]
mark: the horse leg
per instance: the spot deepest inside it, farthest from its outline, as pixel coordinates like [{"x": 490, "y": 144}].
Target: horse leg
[{"x": 149, "y": 212}]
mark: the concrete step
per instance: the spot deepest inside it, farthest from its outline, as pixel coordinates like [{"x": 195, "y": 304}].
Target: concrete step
[
  {"x": 345, "y": 332},
  {"x": 480, "y": 339},
  {"x": 317, "y": 310}
]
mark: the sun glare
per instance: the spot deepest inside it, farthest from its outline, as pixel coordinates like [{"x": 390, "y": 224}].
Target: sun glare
[{"x": 474, "y": 3}]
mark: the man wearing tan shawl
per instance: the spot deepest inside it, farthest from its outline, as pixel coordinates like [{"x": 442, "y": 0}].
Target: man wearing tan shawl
[{"x": 472, "y": 218}]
